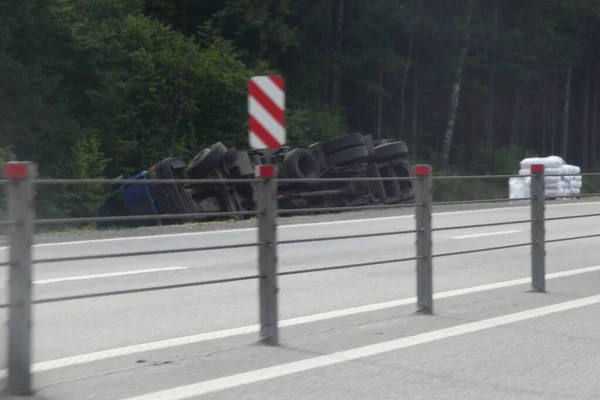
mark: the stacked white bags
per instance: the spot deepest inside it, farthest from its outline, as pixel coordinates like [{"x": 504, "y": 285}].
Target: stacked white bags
[
  {"x": 564, "y": 181},
  {"x": 518, "y": 188}
]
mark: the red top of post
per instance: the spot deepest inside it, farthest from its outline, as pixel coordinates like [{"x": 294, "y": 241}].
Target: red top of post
[
  {"x": 15, "y": 170},
  {"x": 265, "y": 171},
  {"x": 537, "y": 169},
  {"x": 422, "y": 170}
]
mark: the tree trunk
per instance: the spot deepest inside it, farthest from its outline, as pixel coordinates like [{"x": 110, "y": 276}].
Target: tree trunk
[
  {"x": 415, "y": 105},
  {"x": 516, "y": 119},
  {"x": 547, "y": 116},
  {"x": 594, "y": 127},
  {"x": 553, "y": 110},
  {"x": 474, "y": 141},
  {"x": 565, "y": 132},
  {"x": 379, "y": 116},
  {"x": 525, "y": 111},
  {"x": 491, "y": 106},
  {"x": 585, "y": 128},
  {"x": 338, "y": 25},
  {"x": 455, "y": 95},
  {"x": 409, "y": 61}
]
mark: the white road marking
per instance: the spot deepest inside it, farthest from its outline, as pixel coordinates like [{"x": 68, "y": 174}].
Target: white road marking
[
  {"x": 226, "y": 333},
  {"x": 483, "y": 234},
  {"x": 311, "y": 224},
  {"x": 277, "y": 371},
  {"x": 107, "y": 275}
]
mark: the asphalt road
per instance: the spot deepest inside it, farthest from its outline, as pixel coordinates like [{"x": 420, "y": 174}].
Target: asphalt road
[{"x": 347, "y": 334}]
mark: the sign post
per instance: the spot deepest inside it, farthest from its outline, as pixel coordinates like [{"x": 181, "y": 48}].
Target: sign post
[
  {"x": 266, "y": 112},
  {"x": 21, "y": 212}
]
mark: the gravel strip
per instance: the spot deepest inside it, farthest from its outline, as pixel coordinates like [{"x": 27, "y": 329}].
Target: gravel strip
[{"x": 83, "y": 235}]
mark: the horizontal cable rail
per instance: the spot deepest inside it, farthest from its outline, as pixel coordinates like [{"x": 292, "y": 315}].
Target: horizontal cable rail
[
  {"x": 348, "y": 266},
  {"x": 7, "y": 223},
  {"x": 328, "y": 238},
  {"x": 563, "y": 175},
  {"x": 143, "y": 181},
  {"x": 5, "y": 306},
  {"x": 5, "y": 264},
  {"x": 458, "y": 253},
  {"x": 208, "y": 282},
  {"x": 469, "y": 177},
  {"x": 183, "y": 181},
  {"x": 143, "y": 253},
  {"x": 453, "y": 203},
  {"x": 573, "y": 238},
  {"x": 560, "y": 175},
  {"x": 349, "y": 179},
  {"x": 146, "y": 289},
  {"x": 573, "y": 217},
  {"x": 348, "y": 208},
  {"x": 51, "y": 221},
  {"x": 457, "y": 227}
]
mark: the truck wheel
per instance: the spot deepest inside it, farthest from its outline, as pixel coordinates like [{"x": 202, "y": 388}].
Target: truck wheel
[
  {"x": 316, "y": 149},
  {"x": 343, "y": 142},
  {"x": 349, "y": 156},
  {"x": 206, "y": 160},
  {"x": 300, "y": 163},
  {"x": 391, "y": 150}
]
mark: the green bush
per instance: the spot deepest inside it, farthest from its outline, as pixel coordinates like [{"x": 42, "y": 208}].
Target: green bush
[
  {"x": 457, "y": 189},
  {"x": 307, "y": 125}
]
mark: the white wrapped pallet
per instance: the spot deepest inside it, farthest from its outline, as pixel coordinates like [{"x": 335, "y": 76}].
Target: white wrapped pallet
[
  {"x": 564, "y": 179},
  {"x": 562, "y": 170},
  {"x": 572, "y": 169},
  {"x": 575, "y": 184},
  {"x": 519, "y": 189},
  {"x": 547, "y": 162},
  {"x": 557, "y": 193}
]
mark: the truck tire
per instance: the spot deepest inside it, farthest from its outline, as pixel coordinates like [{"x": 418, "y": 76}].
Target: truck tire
[
  {"x": 230, "y": 157},
  {"x": 388, "y": 151},
  {"x": 206, "y": 160},
  {"x": 316, "y": 149},
  {"x": 349, "y": 156},
  {"x": 343, "y": 142},
  {"x": 300, "y": 163}
]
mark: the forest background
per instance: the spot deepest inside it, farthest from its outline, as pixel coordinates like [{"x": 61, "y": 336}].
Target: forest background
[{"x": 100, "y": 88}]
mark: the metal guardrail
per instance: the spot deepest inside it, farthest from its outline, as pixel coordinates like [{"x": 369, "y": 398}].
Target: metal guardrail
[{"x": 21, "y": 180}]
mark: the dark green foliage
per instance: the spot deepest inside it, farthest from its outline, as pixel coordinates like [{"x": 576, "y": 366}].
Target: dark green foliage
[{"x": 99, "y": 88}]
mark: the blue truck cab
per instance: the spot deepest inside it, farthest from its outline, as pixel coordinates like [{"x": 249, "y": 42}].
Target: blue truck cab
[{"x": 130, "y": 199}]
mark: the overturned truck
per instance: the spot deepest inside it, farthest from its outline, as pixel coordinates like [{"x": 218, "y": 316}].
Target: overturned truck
[{"x": 350, "y": 156}]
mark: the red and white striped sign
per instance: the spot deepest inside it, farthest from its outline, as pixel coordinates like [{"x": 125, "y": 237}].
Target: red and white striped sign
[{"x": 266, "y": 110}]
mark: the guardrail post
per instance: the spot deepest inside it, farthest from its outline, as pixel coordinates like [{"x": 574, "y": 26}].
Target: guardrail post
[
  {"x": 424, "y": 241},
  {"x": 267, "y": 253},
  {"x": 538, "y": 230},
  {"x": 21, "y": 210}
]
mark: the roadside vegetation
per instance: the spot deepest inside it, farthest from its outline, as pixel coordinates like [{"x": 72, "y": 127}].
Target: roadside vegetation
[{"x": 100, "y": 88}]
